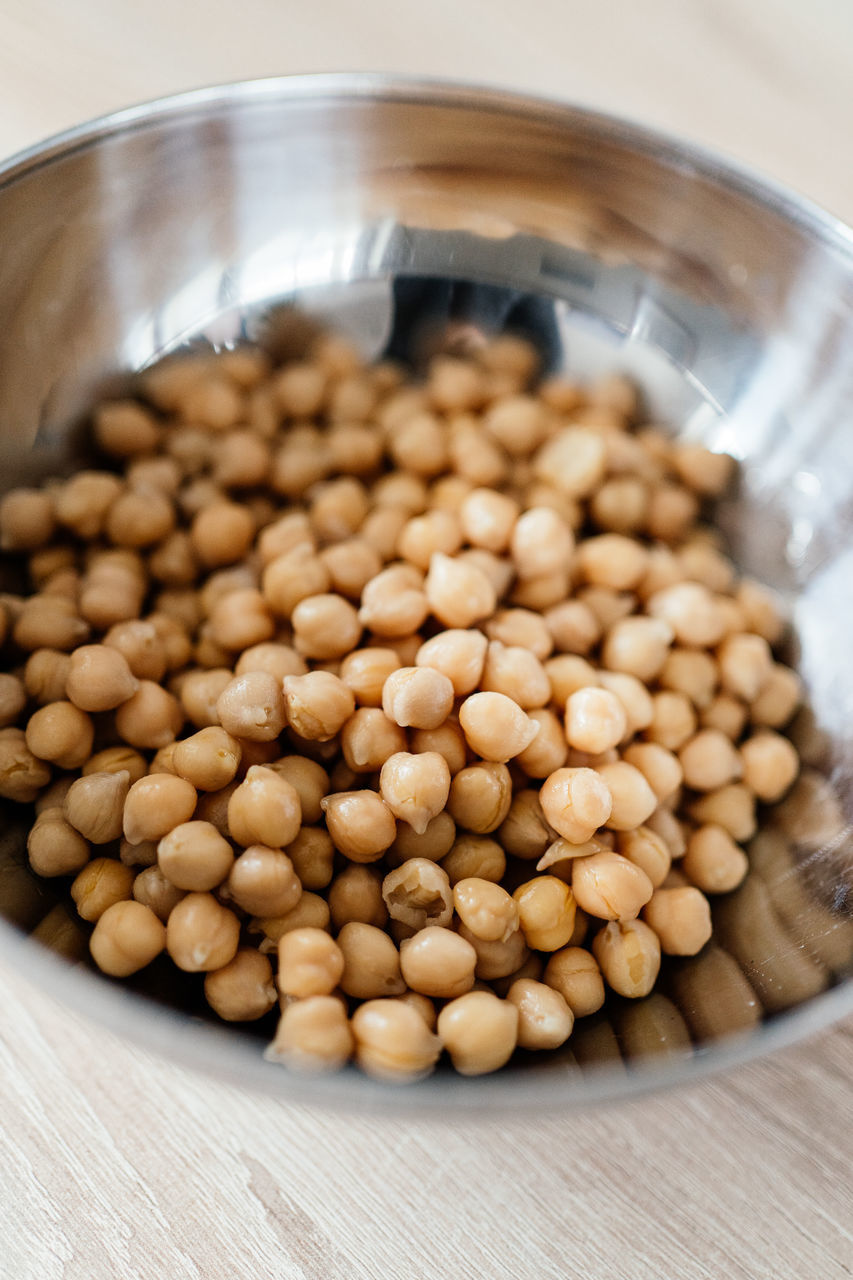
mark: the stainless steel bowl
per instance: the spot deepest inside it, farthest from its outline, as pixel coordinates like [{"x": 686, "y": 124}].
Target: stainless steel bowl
[{"x": 730, "y": 298}]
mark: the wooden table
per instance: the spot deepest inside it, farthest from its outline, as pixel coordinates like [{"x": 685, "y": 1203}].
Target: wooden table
[{"x": 117, "y": 1166}]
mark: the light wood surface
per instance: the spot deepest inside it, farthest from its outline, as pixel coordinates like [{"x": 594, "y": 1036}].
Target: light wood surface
[{"x": 117, "y": 1166}]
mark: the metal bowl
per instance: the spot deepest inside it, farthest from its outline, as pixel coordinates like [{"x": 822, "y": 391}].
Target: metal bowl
[{"x": 732, "y": 301}]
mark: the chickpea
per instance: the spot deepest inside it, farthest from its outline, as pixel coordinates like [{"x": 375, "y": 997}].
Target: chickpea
[
  {"x": 691, "y": 611},
  {"x": 549, "y": 750},
  {"x": 628, "y": 953},
  {"x": 141, "y": 647},
  {"x": 201, "y": 934},
  {"x": 194, "y": 856},
  {"x": 393, "y": 1042},
  {"x": 313, "y": 1035},
  {"x": 778, "y": 699},
  {"x": 252, "y": 706},
  {"x": 457, "y": 655},
  {"x": 438, "y": 963},
  {"x": 293, "y": 576},
  {"x": 713, "y": 862},
  {"x": 434, "y": 843},
  {"x": 317, "y": 705},
  {"x": 575, "y": 974},
  {"x": 497, "y": 959},
  {"x": 673, "y": 720},
  {"x": 546, "y": 910},
  {"x": 418, "y": 696},
  {"x": 100, "y": 884},
  {"x": 458, "y": 593},
  {"x": 595, "y": 720},
  {"x": 54, "y": 847},
  {"x": 610, "y": 887},
  {"x": 222, "y": 533},
  {"x": 126, "y": 938},
  {"x": 647, "y": 850},
  {"x": 681, "y": 918},
  {"x": 27, "y": 519},
  {"x": 573, "y": 460},
  {"x": 638, "y": 646},
  {"x": 576, "y": 802},
  {"x": 475, "y": 856},
  {"x": 731, "y": 807},
  {"x": 310, "y": 963},
  {"x": 356, "y": 894},
  {"x": 365, "y": 671},
  {"x": 264, "y": 809},
  {"x": 486, "y": 909},
  {"x": 313, "y": 856},
  {"x": 495, "y": 726},
  {"x": 360, "y": 823},
  {"x": 99, "y": 678},
  {"x": 709, "y": 761},
  {"x": 13, "y": 699},
  {"x": 151, "y": 718},
  {"x": 770, "y": 765},
  {"x": 199, "y": 694},
  {"x": 545, "y": 1020},
  {"x": 480, "y": 797},
  {"x": 661, "y": 768},
  {"x": 94, "y": 805},
  {"x": 153, "y": 890},
  {"x": 49, "y": 622},
  {"x": 418, "y": 894},
  {"x": 61, "y": 734},
  {"x": 516, "y": 673},
  {"x": 155, "y": 805},
  {"x": 415, "y": 787},
  {"x": 242, "y": 990},
  {"x": 693, "y": 673},
  {"x": 521, "y": 627},
  {"x": 393, "y": 603},
  {"x": 479, "y": 1031},
  {"x": 45, "y": 674},
  {"x": 371, "y": 962},
  {"x": 487, "y": 519},
  {"x": 518, "y": 422},
  {"x": 208, "y": 759}
]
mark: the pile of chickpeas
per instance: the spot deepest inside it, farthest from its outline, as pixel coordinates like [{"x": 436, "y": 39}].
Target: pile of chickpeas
[{"x": 423, "y": 710}]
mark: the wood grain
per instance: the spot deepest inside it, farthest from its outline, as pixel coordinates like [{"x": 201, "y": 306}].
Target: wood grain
[{"x": 117, "y": 1166}]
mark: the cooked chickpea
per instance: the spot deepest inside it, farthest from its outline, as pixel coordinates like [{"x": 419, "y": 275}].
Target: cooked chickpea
[
  {"x": 61, "y": 734},
  {"x": 393, "y": 1042},
  {"x": 437, "y": 962},
  {"x": 155, "y": 805},
  {"x": 479, "y": 1031},
  {"x": 371, "y": 962},
  {"x": 549, "y": 750},
  {"x": 661, "y": 768},
  {"x": 713, "y": 862},
  {"x": 13, "y": 699},
  {"x": 545, "y": 1020},
  {"x": 447, "y": 740},
  {"x": 100, "y": 884},
  {"x": 317, "y": 705},
  {"x": 517, "y": 673},
  {"x": 647, "y": 850},
  {"x": 45, "y": 674},
  {"x": 575, "y": 974},
  {"x": 368, "y": 739},
  {"x": 496, "y": 727},
  {"x": 365, "y": 671},
  {"x": 693, "y": 673},
  {"x": 546, "y": 909},
  {"x": 126, "y": 938},
  {"x": 485, "y": 908},
  {"x": 745, "y": 664},
  {"x": 475, "y": 856},
  {"x": 26, "y": 519},
  {"x": 356, "y": 894},
  {"x": 150, "y": 718},
  {"x": 673, "y": 720},
  {"x": 325, "y": 626},
  {"x": 313, "y": 1035},
  {"x": 141, "y": 647},
  {"x": 434, "y": 843},
  {"x": 573, "y": 460},
  {"x": 360, "y": 823},
  {"x": 264, "y": 809},
  {"x": 487, "y": 519},
  {"x": 595, "y": 720},
  {"x": 458, "y": 593},
  {"x": 418, "y": 894},
  {"x": 480, "y": 797},
  {"x": 195, "y": 856},
  {"x": 293, "y": 576},
  {"x": 94, "y": 805},
  {"x": 310, "y": 963},
  {"x": 576, "y": 802},
  {"x": 99, "y": 678},
  {"x": 681, "y": 918},
  {"x": 252, "y": 706},
  {"x": 222, "y": 533},
  {"x": 54, "y": 847},
  {"x": 457, "y": 655},
  {"x": 242, "y": 990},
  {"x": 201, "y": 934},
  {"x": 610, "y": 887},
  {"x": 628, "y": 953},
  {"x": 691, "y": 611},
  {"x": 415, "y": 787},
  {"x": 541, "y": 543},
  {"x": 770, "y": 765},
  {"x": 778, "y": 698},
  {"x": 521, "y": 627},
  {"x": 153, "y": 890},
  {"x": 638, "y": 646},
  {"x": 208, "y": 759}
]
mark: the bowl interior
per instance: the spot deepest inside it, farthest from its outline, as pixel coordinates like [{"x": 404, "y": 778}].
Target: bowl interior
[{"x": 372, "y": 204}]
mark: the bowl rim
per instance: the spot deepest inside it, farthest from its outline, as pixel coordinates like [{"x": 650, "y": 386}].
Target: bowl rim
[{"x": 216, "y": 1051}]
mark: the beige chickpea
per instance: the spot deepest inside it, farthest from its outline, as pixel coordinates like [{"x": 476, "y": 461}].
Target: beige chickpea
[
  {"x": 293, "y": 576},
  {"x": 208, "y": 759},
  {"x": 282, "y": 535},
  {"x": 495, "y": 726},
  {"x": 222, "y": 533},
  {"x": 356, "y": 894},
  {"x": 201, "y": 934},
  {"x": 479, "y": 1031},
  {"x": 310, "y": 781},
  {"x": 567, "y": 673},
  {"x": 628, "y": 954},
  {"x": 151, "y": 718},
  {"x": 393, "y": 1042},
  {"x": 26, "y": 519},
  {"x": 458, "y": 593},
  {"x": 546, "y": 909},
  {"x": 762, "y": 609},
  {"x": 126, "y": 938},
  {"x": 49, "y": 622},
  {"x": 498, "y": 958},
  {"x": 522, "y": 627},
  {"x": 264, "y": 809},
  {"x": 731, "y": 807},
  {"x": 661, "y": 768},
  {"x": 194, "y": 856},
  {"x": 477, "y": 857},
  {"x": 54, "y": 847},
  {"x": 420, "y": 444},
  {"x": 691, "y": 611},
  {"x": 13, "y": 699},
  {"x": 152, "y": 889},
  {"x": 313, "y": 856},
  {"x": 242, "y": 990},
  {"x": 418, "y": 894},
  {"x": 638, "y": 646},
  {"x": 240, "y": 618},
  {"x": 325, "y": 626},
  {"x": 300, "y": 389},
  {"x": 778, "y": 698},
  {"x": 83, "y": 501},
  {"x": 595, "y": 720},
  {"x": 647, "y": 850},
  {"x": 313, "y": 1035},
  {"x": 45, "y": 674},
  {"x": 549, "y": 750},
  {"x": 139, "y": 518},
  {"x": 99, "y": 678},
  {"x": 365, "y": 671},
  {"x": 545, "y": 1020},
  {"x": 487, "y": 519},
  {"x": 708, "y": 761},
  {"x": 117, "y": 760},
  {"x": 480, "y": 796},
  {"x": 573, "y": 626},
  {"x": 612, "y": 560},
  {"x": 156, "y": 804},
  {"x": 456, "y": 654},
  {"x": 415, "y": 787},
  {"x": 573, "y": 460},
  {"x": 394, "y": 602},
  {"x": 418, "y": 696},
  {"x": 310, "y": 963},
  {"x": 351, "y": 565},
  {"x": 664, "y": 823},
  {"x": 713, "y": 862},
  {"x": 438, "y": 963},
  {"x": 61, "y": 734},
  {"x": 381, "y": 529},
  {"x": 691, "y": 672},
  {"x": 610, "y": 887},
  {"x": 673, "y": 720},
  {"x": 310, "y": 912},
  {"x": 22, "y": 775},
  {"x": 317, "y": 705},
  {"x": 94, "y": 805},
  {"x": 454, "y": 383},
  {"x": 371, "y": 962},
  {"x": 100, "y": 884},
  {"x": 770, "y": 765},
  {"x": 542, "y": 592},
  {"x": 448, "y": 740},
  {"x": 200, "y": 692},
  {"x": 486, "y": 909},
  {"x": 517, "y": 673},
  {"x": 425, "y": 534},
  {"x": 576, "y": 802},
  {"x": 518, "y": 422},
  {"x": 360, "y": 823},
  {"x": 632, "y": 799},
  {"x": 252, "y": 706},
  {"x": 434, "y": 843},
  {"x": 575, "y": 974},
  {"x": 140, "y": 645},
  {"x": 681, "y": 918},
  {"x": 671, "y": 511}
]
